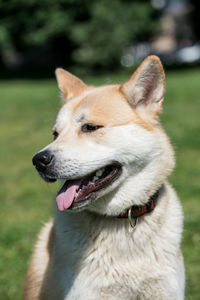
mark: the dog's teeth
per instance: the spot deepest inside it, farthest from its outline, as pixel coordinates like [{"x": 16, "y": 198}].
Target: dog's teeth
[
  {"x": 100, "y": 172},
  {"x": 95, "y": 178}
]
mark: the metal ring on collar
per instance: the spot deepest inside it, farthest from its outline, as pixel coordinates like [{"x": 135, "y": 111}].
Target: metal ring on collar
[{"x": 132, "y": 221}]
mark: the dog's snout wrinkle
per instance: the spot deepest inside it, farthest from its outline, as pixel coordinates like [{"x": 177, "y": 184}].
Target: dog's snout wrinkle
[{"x": 43, "y": 160}]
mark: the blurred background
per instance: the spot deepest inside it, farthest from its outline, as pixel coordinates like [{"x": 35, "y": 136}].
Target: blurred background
[
  {"x": 37, "y": 36},
  {"x": 101, "y": 42}
]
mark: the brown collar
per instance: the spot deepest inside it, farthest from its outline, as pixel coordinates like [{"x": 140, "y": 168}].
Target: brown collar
[{"x": 138, "y": 211}]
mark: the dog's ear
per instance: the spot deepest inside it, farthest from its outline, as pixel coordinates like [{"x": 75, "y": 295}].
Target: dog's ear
[
  {"x": 69, "y": 84},
  {"x": 145, "y": 89}
]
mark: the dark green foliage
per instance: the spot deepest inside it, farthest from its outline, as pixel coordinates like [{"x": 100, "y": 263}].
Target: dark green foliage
[
  {"x": 91, "y": 33},
  {"x": 112, "y": 26},
  {"x": 194, "y": 17}
]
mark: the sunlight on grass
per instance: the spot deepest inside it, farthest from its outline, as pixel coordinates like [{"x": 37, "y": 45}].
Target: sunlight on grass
[{"x": 28, "y": 110}]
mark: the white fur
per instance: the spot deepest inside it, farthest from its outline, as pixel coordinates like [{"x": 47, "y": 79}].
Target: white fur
[
  {"x": 91, "y": 254},
  {"x": 115, "y": 262},
  {"x": 102, "y": 257}
]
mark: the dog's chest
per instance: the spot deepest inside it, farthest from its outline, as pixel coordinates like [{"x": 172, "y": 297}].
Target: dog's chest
[
  {"x": 84, "y": 288},
  {"x": 97, "y": 277},
  {"x": 94, "y": 259},
  {"x": 94, "y": 266}
]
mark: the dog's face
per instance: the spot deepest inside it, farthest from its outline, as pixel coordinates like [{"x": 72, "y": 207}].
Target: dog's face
[{"x": 107, "y": 140}]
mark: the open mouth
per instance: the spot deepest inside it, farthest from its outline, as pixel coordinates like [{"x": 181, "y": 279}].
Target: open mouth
[{"x": 80, "y": 192}]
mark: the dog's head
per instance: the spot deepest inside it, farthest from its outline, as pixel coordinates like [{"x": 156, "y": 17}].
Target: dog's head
[{"x": 108, "y": 145}]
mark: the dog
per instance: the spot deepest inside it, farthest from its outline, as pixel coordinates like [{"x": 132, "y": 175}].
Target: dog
[{"x": 118, "y": 223}]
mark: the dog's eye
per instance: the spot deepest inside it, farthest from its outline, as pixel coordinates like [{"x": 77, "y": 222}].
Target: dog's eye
[
  {"x": 55, "y": 134},
  {"x": 88, "y": 127}
]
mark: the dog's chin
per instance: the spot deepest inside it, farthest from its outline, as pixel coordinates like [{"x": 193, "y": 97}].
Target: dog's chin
[{"x": 47, "y": 177}]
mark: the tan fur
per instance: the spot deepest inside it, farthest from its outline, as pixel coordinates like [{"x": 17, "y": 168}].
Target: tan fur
[
  {"x": 40, "y": 260},
  {"x": 107, "y": 104},
  {"x": 69, "y": 84},
  {"x": 154, "y": 59},
  {"x": 141, "y": 87},
  {"x": 91, "y": 254}
]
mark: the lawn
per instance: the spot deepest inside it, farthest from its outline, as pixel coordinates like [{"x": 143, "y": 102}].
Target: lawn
[{"x": 27, "y": 112}]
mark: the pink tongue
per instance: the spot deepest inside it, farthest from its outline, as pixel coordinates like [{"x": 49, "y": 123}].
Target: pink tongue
[{"x": 66, "y": 195}]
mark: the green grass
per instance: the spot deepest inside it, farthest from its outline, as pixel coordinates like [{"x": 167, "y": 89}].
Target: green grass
[{"x": 27, "y": 112}]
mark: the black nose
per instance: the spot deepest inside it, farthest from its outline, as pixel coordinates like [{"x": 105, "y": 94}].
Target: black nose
[{"x": 43, "y": 160}]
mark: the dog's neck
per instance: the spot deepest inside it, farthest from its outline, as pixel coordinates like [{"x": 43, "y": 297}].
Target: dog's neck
[
  {"x": 136, "y": 211},
  {"x": 133, "y": 212}
]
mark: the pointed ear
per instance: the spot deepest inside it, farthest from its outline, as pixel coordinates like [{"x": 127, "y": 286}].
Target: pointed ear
[
  {"x": 69, "y": 84},
  {"x": 145, "y": 89}
]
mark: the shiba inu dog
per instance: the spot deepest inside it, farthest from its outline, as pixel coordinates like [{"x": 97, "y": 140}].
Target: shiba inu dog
[{"x": 118, "y": 223}]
